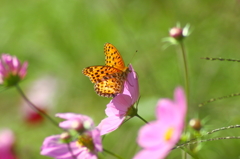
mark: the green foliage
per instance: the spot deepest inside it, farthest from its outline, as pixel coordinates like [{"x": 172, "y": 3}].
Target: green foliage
[{"x": 62, "y": 37}]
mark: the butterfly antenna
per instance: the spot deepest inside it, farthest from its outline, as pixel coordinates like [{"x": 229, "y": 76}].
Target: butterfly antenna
[
  {"x": 219, "y": 98},
  {"x": 219, "y": 59},
  {"x": 134, "y": 55},
  {"x": 205, "y": 140}
]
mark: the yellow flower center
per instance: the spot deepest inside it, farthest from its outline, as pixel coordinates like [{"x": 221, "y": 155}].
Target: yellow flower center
[
  {"x": 86, "y": 141},
  {"x": 169, "y": 133}
]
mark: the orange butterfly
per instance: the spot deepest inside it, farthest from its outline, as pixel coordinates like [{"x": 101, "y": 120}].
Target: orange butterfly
[{"x": 109, "y": 78}]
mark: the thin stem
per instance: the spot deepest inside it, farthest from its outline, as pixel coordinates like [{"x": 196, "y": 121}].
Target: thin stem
[
  {"x": 220, "y": 59},
  {"x": 186, "y": 81},
  {"x": 223, "y": 128},
  {"x": 206, "y": 140},
  {"x": 213, "y": 131},
  {"x": 42, "y": 113},
  {"x": 186, "y": 69},
  {"x": 188, "y": 153},
  {"x": 113, "y": 154},
  {"x": 219, "y": 98},
  {"x": 142, "y": 118},
  {"x": 184, "y": 154}
]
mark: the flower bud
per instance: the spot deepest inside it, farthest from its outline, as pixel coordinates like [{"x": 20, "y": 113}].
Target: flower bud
[
  {"x": 78, "y": 126},
  {"x": 11, "y": 70},
  {"x": 65, "y": 136},
  {"x": 195, "y": 124},
  {"x": 176, "y": 33}
]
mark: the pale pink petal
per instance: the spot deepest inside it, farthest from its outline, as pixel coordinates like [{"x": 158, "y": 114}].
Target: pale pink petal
[
  {"x": 3, "y": 70},
  {"x": 180, "y": 100},
  {"x": 23, "y": 70},
  {"x": 7, "y": 138},
  {"x": 1, "y": 80},
  {"x": 87, "y": 155},
  {"x": 53, "y": 148},
  {"x": 7, "y": 142},
  {"x": 72, "y": 117},
  {"x": 118, "y": 105},
  {"x": 152, "y": 154},
  {"x": 147, "y": 137},
  {"x": 165, "y": 107},
  {"x": 110, "y": 124},
  {"x": 97, "y": 140},
  {"x": 15, "y": 65},
  {"x": 157, "y": 138},
  {"x": 131, "y": 86},
  {"x": 7, "y": 59}
]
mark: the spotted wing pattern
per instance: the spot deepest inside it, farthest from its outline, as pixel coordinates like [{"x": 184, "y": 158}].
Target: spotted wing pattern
[
  {"x": 109, "y": 79},
  {"x": 110, "y": 87},
  {"x": 96, "y": 73},
  {"x": 113, "y": 57}
]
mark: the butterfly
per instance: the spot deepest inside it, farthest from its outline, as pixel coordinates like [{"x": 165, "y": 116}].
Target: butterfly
[{"x": 108, "y": 79}]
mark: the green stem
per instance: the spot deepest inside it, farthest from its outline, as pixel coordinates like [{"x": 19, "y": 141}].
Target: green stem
[
  {"x": 113, "y": 154},
  {"x": 186, "y": 70},
  {"x": 186, "y": 82},
  {"x": 142, "y": 118},
  {"x": 188, "y": 154},
  {"x": 42, "y": 113}
]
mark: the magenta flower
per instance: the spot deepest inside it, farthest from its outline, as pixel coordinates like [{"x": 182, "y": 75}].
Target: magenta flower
[
  {"x": 158, "y": 137},
  {"x": 11, "y": 70},
  {"x": 72, "y": 119},
  {"x": 122, "y": 105},
  {"x": 7, "y": 141},
  {"x": 41, "y": 92},
  {"x": 87, "y": 143}
]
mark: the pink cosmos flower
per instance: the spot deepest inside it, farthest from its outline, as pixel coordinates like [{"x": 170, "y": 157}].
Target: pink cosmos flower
[
  {"x": 87, "y": 145},
  {"x": 158, "y": 137},
  {"x": 11, "y": 70},
  {"x": 7, "y": 141},
  {"x": 120, "y": 106},
  {"x": 41, "y": 92}
]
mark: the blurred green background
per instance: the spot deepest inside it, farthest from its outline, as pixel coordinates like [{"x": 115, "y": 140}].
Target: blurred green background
[{"x": 61, "y": 37}]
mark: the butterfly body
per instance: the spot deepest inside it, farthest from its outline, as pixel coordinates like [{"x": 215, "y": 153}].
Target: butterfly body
[{"x": 109, "y": 78}]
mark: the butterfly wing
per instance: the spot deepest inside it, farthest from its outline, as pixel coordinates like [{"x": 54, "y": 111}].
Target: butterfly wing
[
  {"x": 100, "y": 73},
  {"x": 110, "y": 87},
  {"x": 113, "y": 57},
  {"x": 109, "y": 79}
]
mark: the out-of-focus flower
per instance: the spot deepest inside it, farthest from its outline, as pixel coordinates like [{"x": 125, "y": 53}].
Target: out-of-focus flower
[
  {"x": 158, "y": 137},
  {"x": 122, "y": 105},
  {"x": 41, "y": 93},
  {"x": 7, "y": 141},
  {"x": 176, "y": 35},
  {"x": 11, "y": 70},
  {"x": 72, "y": 119},
  {"x": 85, "y": 144},
  {"x": 179, "y": 33}
]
